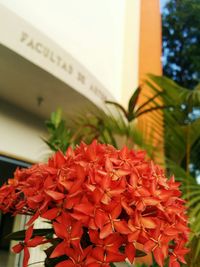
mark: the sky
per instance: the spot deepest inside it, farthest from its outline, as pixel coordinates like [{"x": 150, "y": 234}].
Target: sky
[{"x": 162, "y": 3}]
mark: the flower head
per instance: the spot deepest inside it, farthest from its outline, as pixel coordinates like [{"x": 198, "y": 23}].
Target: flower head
[{"x": 101, "y": 203}]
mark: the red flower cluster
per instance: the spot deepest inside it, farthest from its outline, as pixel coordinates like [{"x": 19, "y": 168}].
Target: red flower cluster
[{"x": 101, "y": 202}]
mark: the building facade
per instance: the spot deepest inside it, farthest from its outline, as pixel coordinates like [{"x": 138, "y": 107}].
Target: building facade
[{"x": 71, "y": 54}]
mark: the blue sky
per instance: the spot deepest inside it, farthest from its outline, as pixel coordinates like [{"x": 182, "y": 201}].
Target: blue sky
[{"x": 162, "y": 3}]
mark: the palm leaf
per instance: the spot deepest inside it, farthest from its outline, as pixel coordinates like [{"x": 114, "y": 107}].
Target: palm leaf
[{"x": 133, "y": 100}]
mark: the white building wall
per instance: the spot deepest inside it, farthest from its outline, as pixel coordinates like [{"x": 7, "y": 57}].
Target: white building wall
[
  {"x": 21, "y": 136},
  {"x": 94, "y": 32},
  {"x": 131, "y": 43}
]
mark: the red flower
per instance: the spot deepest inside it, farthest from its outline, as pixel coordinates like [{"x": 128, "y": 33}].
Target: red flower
[
  {"x": 77, "y": 257},
  {"x": 178, "y": 254},
  {"x": 111, "y": 243},
  {"x": 114, "y": 224},
  {"x": 69, "y": 231},
  {"x": 28, "y": 242},
  {"x": 101, "y": 202},
  {"x": 99, "y": 257},
  {"x": 139, "y": 226}
]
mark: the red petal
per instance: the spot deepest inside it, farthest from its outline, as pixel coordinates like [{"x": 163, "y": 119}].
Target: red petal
[
  {"x": 133, "y": 180},
  {"x": 158, "y": 255},
  {"x": 67, "y": 263},
  {"x": 133, "y": 236},
  {"x": 60, "y": 230},
  {"x": 122, "y": 227},
  {"x": 100, "y": 218},
  {"x": 108, "y": 165},
  {"x": 151, "y": 201},
  {"x": 29, "y": 233},
  {"x": 171, "y": 231},
  {"x": 35, "y": 241},
  {"x": 116, "y": 211},
  {"x": 26, "y": 257},
  {"x": 94, "y": 236},
  {"x": 98, "y": 254},
  {"x": 80, "y": 217},
  {"x": 94, "y": 264},
  {"x": 106, "y": 231},
  {"x": 18, "y": 248},
  {"x": 92, "y": 224},
  {"x": 33, "y": 218},
  {"x": 130, "y": 252},
  {"x": 148, "y": 222},
  {"x": 54, "y": 194},
  {"x": 96, "y": 195},
  {"x": 76, "y": 230},
  {"x": 123, "y": 153},
  {"x": 80, "y": 179},
  {"x": 71, "y": 201},
  {"x": 113, "y": 241},
  {"x": 116, "y": 192},
  {"x": 149, "y": 245},
  {"x": 59, "y": 159},
  {"x": 85, "y": 208},
  {"x": 119, "y": 173},
  {"x": 36, "y": 198},
  {"x": 69, "y": 152},
  {"x": 127, "y": 208},
  {"x": 175, "y": 264},
  {"x": 91, "y": 151},
  {"x": 105, "y": 182},
  {"x": 106, "y": 199},
  {"x": 114, "y": 257},
  {"x": 50, "y": 214},
  {"x": 59, "y": 250},
  {"x": 140, "y": 206}
]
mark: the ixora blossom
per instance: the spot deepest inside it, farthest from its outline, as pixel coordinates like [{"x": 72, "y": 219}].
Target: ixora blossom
[{"x": 101, "y": 202}]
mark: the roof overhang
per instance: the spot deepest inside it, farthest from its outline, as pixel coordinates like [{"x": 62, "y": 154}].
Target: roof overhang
[{"x": 38, "y": 76}]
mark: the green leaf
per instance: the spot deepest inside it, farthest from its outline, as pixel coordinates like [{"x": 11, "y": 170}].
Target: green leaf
[
  {"x": 52, "y": 262},
  {"x": 20, "y": 235},
  {"x": 194, "y": 200},
  {"x": 140, "y": 253},
  {"x": 152, "y": 109},
  {"x": 133, "y": 100},
  {"x": 149, "y": 101},
  {"x": 118, "y": 107},
  {"x": 56, "y": 117}
]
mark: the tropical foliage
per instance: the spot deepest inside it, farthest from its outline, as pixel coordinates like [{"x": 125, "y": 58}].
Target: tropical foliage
[
  {"x": 182, "y": 146},
  {"x": 115, "y": 126}
]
